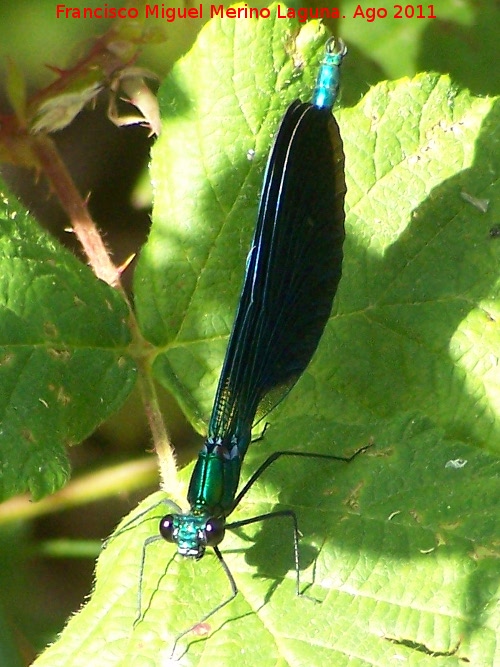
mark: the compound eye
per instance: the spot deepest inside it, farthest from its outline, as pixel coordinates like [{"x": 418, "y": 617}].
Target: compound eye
[
  {"x": 214, "y": 531},
  {"x": 167, "y": 529}
]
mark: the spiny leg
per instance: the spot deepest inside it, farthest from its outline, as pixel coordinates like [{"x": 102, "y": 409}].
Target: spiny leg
[
  {"x": 232, "y": 582},
  {"x": 234, "y": 592},
  {"x": 145, "y": 545},
  {"x": 296, "y": 533},
  {"x": 138, "y": 517},
  {"x": 276, "y": 455}
]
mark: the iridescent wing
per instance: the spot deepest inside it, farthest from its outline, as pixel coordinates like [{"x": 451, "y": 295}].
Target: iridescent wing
[{"x": 293, "y": 270}]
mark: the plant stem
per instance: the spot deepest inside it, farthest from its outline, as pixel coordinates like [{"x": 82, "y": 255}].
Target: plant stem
[
  {"x": 100, "y": 261},
  {"x": 81, "y": 223},
  {"x": 162, "y": 444}
]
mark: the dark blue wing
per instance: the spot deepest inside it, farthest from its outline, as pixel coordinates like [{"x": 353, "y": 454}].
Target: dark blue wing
[{"x": 293, "y": 270}]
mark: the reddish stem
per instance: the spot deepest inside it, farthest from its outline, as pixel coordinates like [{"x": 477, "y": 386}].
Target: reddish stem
[{"x": 82, "y": 224}]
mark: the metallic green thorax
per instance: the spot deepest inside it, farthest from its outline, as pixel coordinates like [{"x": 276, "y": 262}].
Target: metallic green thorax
[{"x": 216, "y": 475}]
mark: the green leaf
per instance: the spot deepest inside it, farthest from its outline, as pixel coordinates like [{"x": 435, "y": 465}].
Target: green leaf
[
  {"x": 416, "y": 325},
  {"x": 400, "y": 547},
  {"x": 63, "y": 354},
  {"x": 461, "y": 40}
]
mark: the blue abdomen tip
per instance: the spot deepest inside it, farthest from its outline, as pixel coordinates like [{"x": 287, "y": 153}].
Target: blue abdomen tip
[{"x": 328, "y": 81}]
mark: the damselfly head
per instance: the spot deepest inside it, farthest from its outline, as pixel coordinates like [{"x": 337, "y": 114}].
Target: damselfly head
[{"x": 192, "y": 533}]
